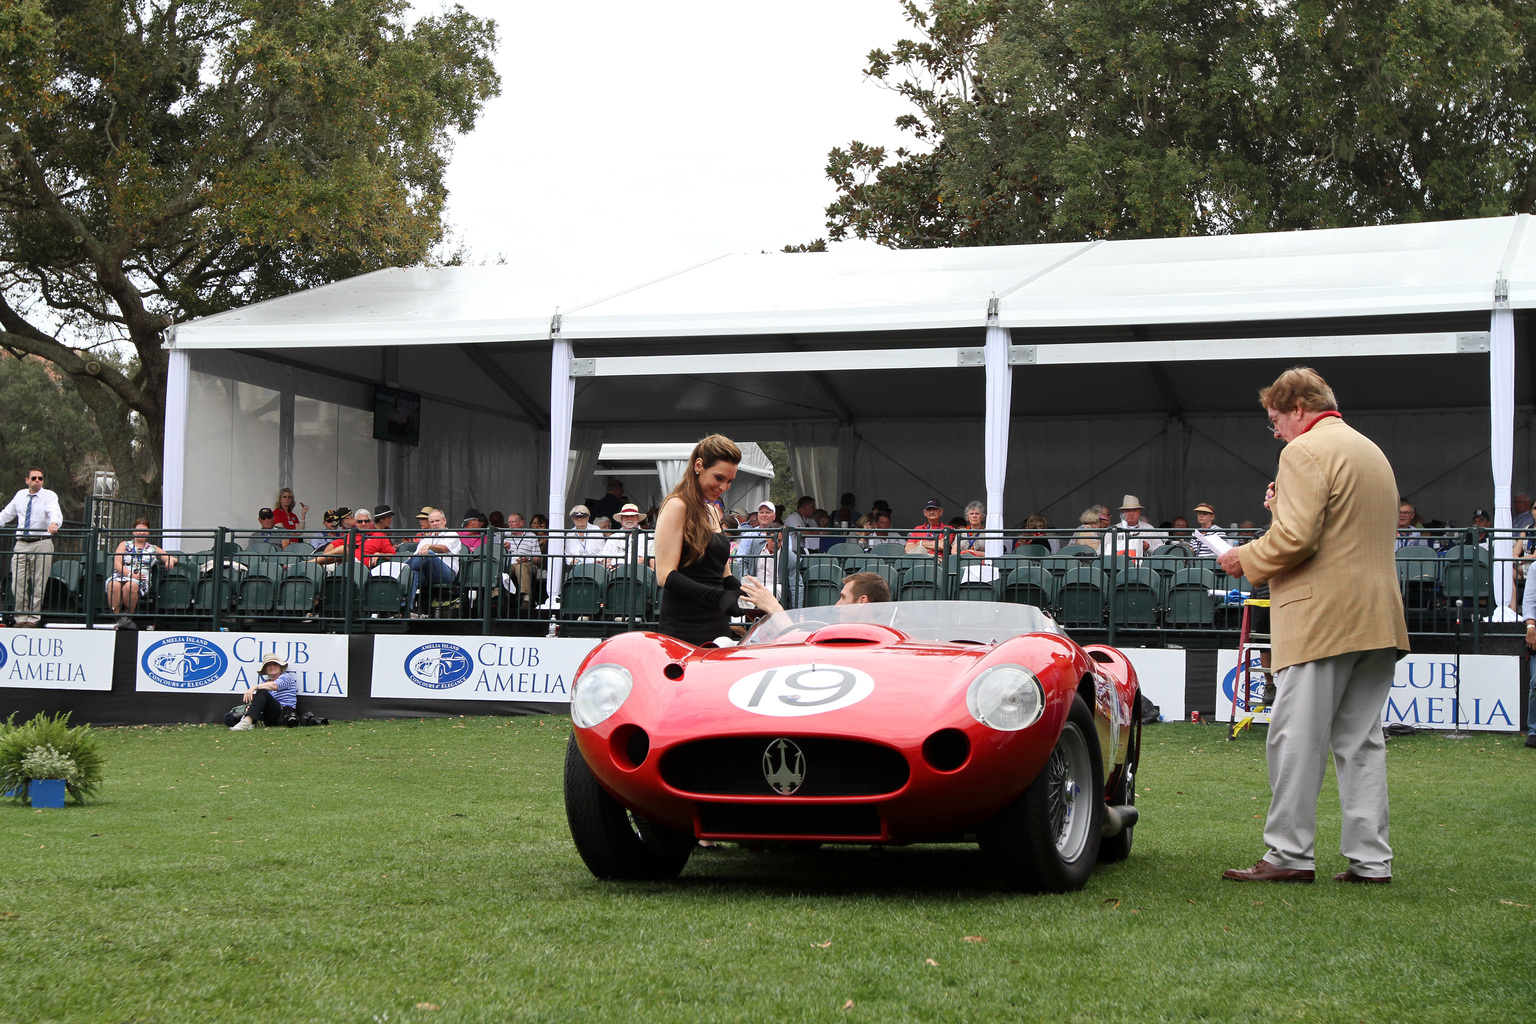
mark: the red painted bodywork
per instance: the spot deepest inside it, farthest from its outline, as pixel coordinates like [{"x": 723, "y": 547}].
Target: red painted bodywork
[{"x": 920, "y": 688}]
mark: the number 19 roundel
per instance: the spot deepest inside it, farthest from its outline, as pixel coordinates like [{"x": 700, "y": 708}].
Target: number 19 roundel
[{"x": 790, "y": 691}]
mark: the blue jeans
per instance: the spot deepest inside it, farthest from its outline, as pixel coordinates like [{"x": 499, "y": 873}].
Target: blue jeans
[{"x": 431, "y": 569}]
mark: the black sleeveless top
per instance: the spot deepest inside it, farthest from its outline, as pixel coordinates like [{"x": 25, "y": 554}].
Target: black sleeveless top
[{"x": 694, "y": 621}]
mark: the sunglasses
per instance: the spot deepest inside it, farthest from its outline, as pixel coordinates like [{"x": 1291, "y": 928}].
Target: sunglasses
[{"x": 37, "y": 478}]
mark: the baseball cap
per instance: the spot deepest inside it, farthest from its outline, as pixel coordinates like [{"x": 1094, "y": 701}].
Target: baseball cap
[
  {"x": 1481, "y": 512},
  {"x": 343, "y": 512},
  {"x": 932, "y": 503},
  {"x": 265, "y": 513},
  {"x": 332, "y": 516},
  {"x": 770, "y": 506}
]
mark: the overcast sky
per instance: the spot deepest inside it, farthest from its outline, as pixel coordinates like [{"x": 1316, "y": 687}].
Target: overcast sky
[{"x": 670, "y": 132}]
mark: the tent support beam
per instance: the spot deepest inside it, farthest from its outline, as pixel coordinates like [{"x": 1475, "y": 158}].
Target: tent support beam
[
  {"x": 503, "y": 380},
  {"x": 1212, "y": 350}
]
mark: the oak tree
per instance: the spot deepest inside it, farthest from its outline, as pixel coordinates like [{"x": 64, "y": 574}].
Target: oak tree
[
  {"x": 1044, "y": 120},
  {"x": 166, "y": 159}
]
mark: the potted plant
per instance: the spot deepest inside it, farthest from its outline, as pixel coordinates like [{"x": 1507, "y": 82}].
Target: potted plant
[{"x": 47, "y": 749}]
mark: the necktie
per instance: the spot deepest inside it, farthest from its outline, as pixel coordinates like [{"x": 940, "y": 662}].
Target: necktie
[{"x": 28, "y": 531}]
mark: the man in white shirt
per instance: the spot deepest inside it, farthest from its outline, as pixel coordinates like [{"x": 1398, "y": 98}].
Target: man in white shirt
[
  {"x": 803, "y": 518},
  {"x": 1135, "y": 536},
  {"x": 587, "y": 544},
  {"x": 522, "y": 557},
  {"x": 35, "y": 511},
  {"x": 436, "y": 561},
  {"x": 626, "y": 543}
]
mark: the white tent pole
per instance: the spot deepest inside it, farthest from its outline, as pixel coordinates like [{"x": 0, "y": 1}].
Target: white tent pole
[
  {"x": 562, "y": 403},
  {"x": 173, "y": 468},
  {"x": 1501, "y": 414},
  {"x": 999, "y": 408}
]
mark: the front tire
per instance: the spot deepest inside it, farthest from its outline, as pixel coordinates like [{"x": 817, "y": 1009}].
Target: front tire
[
  {"x": 613, "y": 841},
  {"x": 1048, "y": 839}
]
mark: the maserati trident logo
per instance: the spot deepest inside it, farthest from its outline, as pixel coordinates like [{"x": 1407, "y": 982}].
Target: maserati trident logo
[{"x": 783, "y": 767}]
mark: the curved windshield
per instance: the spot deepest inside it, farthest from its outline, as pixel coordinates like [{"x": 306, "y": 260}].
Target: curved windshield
[{"x": 983, "y": 622}]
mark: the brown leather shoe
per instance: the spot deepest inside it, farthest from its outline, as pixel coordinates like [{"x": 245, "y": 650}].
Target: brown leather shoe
[
  {"x": 1350, "y": 876},
  {"x": 1264, "y": 871}
]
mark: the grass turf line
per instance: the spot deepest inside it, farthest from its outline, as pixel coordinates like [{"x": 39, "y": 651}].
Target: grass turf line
[{"x": 349, "y": 873}]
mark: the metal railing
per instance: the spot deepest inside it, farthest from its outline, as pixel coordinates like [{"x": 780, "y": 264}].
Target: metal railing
[{"x": 348, "y": 582}]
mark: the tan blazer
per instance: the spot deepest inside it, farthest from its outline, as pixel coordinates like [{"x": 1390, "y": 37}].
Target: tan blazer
[{"x": 1329, "y": 555}]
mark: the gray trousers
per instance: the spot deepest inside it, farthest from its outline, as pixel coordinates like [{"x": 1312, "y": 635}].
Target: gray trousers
[
  {"x": 30, "y": 566},
  {"x": 1331, "y": 703}
]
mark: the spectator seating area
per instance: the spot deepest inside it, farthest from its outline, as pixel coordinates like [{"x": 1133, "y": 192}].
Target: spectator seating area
[{"x": 223, "y": 584}]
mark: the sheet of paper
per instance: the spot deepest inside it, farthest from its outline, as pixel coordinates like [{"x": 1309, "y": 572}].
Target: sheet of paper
[{"x": 1215, "y": 543}]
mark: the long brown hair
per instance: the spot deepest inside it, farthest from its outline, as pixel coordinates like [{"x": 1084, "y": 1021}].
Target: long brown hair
[{"x": 696, "y": 524}]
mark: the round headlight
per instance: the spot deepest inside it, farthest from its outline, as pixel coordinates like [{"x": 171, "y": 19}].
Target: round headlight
[
  {"x": 599, "y": 692},
  {"x": 1007, "y": 698}
]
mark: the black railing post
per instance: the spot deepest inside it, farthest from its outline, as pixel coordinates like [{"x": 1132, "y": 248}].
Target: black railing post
[
  {"x": 347, "y": 570},
  {"x": 89, "y": 565},
  {"x": 490, "y": 575},
  {"x": 217, "y": 604}
]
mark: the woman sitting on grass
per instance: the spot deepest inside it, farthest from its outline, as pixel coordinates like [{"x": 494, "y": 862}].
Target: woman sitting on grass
[{"x": 273, "y": 699}]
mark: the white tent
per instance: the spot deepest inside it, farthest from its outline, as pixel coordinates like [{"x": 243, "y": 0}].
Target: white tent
[
  {"x": 650, "y": 471},
  {"x": 1041, "y": 377}
]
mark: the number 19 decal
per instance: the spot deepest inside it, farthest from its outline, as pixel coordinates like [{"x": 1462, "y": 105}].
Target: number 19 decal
[{"x": 790, "y": 691}]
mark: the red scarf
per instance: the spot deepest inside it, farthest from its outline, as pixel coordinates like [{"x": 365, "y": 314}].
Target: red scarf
[{"x": 1330, "y": 412}]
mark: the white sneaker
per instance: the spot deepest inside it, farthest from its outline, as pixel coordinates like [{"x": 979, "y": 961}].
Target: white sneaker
[{"x": 244, "y": 725}]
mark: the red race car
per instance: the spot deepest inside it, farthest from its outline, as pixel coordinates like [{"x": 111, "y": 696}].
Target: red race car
[{"x": 893, "y": 723}]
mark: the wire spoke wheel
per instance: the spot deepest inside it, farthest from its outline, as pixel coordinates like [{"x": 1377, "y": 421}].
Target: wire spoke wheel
[
  {"x": 1048, "y": 839},
  {"x": 1066, "y": 775}
]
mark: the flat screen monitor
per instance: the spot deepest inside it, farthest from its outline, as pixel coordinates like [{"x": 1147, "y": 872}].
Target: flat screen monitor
[{"x": 396, "y": 415}]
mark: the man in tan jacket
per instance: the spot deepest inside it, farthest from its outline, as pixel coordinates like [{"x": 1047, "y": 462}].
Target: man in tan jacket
[{"x": 1337, "y": 623}]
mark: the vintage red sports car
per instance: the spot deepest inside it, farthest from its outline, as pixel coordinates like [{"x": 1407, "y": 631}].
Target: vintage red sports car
[{"x": 893, "y": 723}]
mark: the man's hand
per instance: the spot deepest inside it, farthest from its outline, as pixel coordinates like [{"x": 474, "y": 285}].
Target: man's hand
[
  {"x": 53, "y": 528},
  {"x": 1530, "y": 635},
  {"x": 1231, "y": 562}
]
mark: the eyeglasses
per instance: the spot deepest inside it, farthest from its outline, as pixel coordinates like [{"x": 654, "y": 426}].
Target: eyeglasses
[
  {"x": 362, "y": 522},
  {"x": 1271, "y": 428},
  {"x": 37, "y": 478}
]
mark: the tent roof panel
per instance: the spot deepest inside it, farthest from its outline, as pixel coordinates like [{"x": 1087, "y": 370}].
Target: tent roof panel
[
  {"x": 1405, "y": 268},
  {"x": 860, "y": 289},
  {"x": 1349, "y": 272}
]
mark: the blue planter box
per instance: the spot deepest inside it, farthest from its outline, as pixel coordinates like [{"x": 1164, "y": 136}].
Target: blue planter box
[{"x": 47, "y": 792}]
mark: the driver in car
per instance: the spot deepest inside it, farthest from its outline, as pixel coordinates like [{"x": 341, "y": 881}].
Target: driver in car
[{"x": 858, "y": 588}]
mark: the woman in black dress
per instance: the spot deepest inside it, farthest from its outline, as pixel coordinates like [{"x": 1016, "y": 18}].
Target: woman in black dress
[{"x": 698, "y": 595}]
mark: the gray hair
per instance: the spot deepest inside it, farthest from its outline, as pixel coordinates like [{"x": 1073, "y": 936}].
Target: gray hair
[{"x": 975, "y": 506}]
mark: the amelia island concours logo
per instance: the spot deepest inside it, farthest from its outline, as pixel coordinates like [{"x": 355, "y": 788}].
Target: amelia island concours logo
[
  {"x": 184, "y": 662},
  {"x": 439, "y": 666}
]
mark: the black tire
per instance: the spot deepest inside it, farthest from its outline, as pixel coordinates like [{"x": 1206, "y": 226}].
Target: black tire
[
  {"x": 1118, "y": 848},
  {"x": 613, "y": 841},
  {"x": 1048, "y": 839}
]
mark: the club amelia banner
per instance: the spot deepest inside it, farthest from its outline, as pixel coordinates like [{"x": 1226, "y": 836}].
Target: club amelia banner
[
  {"x": 57, "y": 659},
  {"x": 539, "y": 669},
  {"x": 231, "y": 662},
  {"x": 1423, "y": 691}
]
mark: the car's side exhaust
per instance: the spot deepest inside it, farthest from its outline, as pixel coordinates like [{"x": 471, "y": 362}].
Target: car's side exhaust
[{"x": 1118, "y": 819}]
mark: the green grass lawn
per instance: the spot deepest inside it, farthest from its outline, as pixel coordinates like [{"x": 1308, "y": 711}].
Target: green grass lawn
[{"x": 421, "y": 870}]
